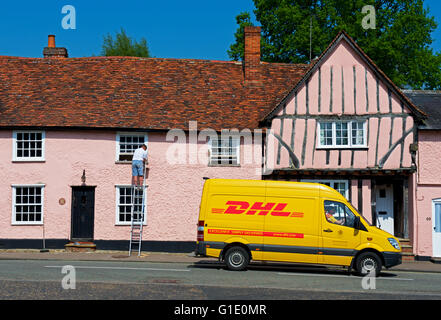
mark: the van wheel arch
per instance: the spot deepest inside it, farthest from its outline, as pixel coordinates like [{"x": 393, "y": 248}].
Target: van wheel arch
[
  {"x": 234, "y": 244},
  {"x": 378, "y": 253}
]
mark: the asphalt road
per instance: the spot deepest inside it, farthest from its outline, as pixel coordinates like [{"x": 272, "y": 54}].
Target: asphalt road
[{"x": 87, "y": 280}]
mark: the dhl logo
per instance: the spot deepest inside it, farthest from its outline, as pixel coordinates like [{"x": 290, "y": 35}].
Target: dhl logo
[{"x": 258, "y": 208}]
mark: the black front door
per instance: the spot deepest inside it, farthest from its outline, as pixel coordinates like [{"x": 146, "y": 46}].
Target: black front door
[{"x": 83, "y": 211}]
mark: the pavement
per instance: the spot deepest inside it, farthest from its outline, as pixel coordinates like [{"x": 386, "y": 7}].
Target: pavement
[{"x": 161, "y": 257}]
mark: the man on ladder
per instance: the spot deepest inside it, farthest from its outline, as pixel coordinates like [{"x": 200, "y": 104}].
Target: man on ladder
[
  {"x": 138, "y": 161},
  {"x": 138, "y": 190}
]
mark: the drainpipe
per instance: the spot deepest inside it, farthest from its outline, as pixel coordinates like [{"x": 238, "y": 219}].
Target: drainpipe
[{"x": 44, "y": 242}]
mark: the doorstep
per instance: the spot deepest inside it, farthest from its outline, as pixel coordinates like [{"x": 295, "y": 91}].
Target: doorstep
[{"x": 80, "y": 246}]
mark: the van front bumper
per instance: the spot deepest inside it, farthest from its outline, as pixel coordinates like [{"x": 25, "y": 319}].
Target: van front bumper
[{"x": 392, "y": 259}]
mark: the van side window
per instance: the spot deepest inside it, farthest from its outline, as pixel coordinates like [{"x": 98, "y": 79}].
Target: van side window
[{"x": 339, "y": 213}]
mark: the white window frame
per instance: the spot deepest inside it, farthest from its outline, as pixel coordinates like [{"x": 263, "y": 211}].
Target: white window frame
[
  {"x": 128, "y": 134},
  {"x": 28, "y": 159},
  {"x": 331, "y": 182},
  {"x": 117, "y": 204},
  {"x": 334, "y": 145},
  {"x": 235, "y": 146},
  {"x": 14, "y": 204}
]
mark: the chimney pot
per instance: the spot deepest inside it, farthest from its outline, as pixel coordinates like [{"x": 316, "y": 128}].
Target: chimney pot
[{"x": 51, "y": 41}]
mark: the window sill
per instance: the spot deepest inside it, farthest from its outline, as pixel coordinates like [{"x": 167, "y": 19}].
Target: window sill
[
  {"x": 27, "y": 224},
  {"x": 28, "y": 160},
  {"x": 341, "y": 148},
  {"x": 123, "y": 162},
  {"x": 127, "y": 162},
  {"x": 224, "y": 165}
]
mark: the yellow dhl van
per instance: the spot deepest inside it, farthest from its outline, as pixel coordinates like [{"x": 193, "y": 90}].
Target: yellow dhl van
[{"x": 244, "y": 220}]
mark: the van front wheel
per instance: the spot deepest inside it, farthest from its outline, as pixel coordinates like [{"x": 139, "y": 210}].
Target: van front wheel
[
  {"x": 237, "y": 258},
  {"x": 368, "y": 263}
]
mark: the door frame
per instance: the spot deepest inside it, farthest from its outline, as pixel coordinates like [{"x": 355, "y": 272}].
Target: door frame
[
  {"x": 72, "y": 213},
  {"x": 435, "y": 254}
]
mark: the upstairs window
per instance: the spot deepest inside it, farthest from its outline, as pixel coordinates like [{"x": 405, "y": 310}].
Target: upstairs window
[
  {"x": 341, "y": 134},
  {"x": 28, "y": 145},
  {"x": 224, "y": 151},
  {"x": 127, "y": 143}
]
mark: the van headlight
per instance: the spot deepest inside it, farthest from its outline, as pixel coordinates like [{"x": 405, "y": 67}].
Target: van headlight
[{"x": 394, "y": 243}]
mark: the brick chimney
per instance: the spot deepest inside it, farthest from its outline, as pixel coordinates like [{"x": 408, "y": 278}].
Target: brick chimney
[
  {"x": 51, "y": 51},
  {"x": 251, "y": 63}
]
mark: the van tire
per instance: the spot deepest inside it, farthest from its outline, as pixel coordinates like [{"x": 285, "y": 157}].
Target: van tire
[
  {"x": 368, "y": 262},
  {"x": 237, "y": 259}
]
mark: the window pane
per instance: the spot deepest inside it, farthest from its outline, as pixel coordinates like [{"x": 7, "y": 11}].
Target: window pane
[
  {"x": 341, "y": 133},
  {"x": 127, "y": 146},
  {"x": 349, "y": 218},
  {"x": 326, "y": 133},
  {"x": 28, "y": 204},
  {"x": 358, "y": 133},
  {"x": 29, "y": 144},
  {"x": 437, "y": 217},
  {"x": 334, "y": 212},
  {"x": 225, "y": 151},
  {"x": 338, "y": 213}
]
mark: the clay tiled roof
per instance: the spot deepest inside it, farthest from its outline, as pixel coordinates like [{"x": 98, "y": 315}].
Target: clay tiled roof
[
  {"x": 138, "y": 93},
  {"x": 430, "y": 102}
]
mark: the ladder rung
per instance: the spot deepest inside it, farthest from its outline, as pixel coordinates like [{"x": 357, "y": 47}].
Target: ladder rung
[{"x": 137, "y": 210}]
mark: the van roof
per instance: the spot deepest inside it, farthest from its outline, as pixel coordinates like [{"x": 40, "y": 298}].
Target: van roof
[{"x": 314, "y": 187}]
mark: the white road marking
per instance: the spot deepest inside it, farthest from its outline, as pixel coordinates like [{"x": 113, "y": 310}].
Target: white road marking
[
  {"x": 338, "y": 276},
  {"x": 123, "y": 268}
]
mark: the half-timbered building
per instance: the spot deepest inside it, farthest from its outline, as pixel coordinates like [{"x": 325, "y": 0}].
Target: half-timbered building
[{"x": 345, "y": 124}]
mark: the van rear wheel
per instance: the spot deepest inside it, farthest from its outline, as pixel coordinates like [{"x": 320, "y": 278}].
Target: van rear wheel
[
  {"x": 237, "y": 258},
  {"x": 368, "y": 263}
]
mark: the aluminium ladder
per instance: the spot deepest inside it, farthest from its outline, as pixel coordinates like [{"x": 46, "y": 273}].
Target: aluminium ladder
[{"x": 137, "y": 212}]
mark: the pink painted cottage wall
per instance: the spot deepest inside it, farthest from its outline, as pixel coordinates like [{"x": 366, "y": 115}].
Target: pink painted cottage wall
[
  {"x": 428, "y": 188},
  {"x": 173, "y": 192}
]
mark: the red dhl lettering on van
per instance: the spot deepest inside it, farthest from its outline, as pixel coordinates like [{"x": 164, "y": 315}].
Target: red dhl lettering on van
[
  {"x": 259, "y": 208},
  {"x": 256, "y": 233}
]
